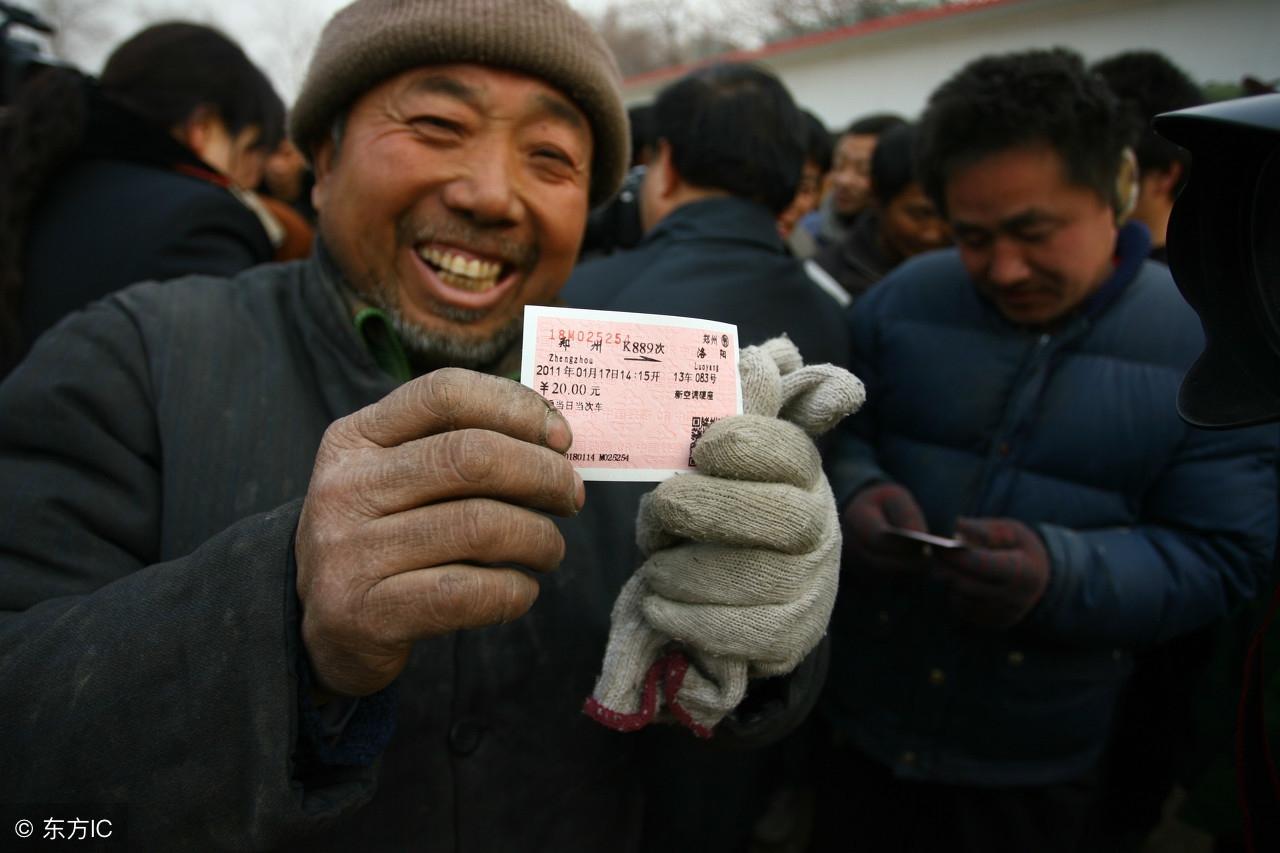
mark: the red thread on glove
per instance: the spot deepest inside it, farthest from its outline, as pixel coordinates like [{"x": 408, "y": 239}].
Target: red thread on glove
[{"x": 668, "y": 671}]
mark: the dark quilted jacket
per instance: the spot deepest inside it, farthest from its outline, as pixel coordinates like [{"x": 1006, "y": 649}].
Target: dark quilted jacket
[{"x": 1153, "y": 528}]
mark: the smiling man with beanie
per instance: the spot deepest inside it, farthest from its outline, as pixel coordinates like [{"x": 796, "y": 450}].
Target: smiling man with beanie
[{"x": 271, "y": 545}]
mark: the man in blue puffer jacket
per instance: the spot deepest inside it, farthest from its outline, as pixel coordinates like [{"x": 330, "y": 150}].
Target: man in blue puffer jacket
[{"x": 1021, "y": 398}]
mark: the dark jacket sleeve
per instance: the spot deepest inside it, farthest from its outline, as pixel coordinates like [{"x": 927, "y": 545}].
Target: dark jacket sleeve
[
  {"x": 168, "y": 686},
  {"x": 106, "y": 225},
  {"x": 214, "y": 235},
  {"x": 852, "y": 464},
  {"x": 1204, "y": 547}
]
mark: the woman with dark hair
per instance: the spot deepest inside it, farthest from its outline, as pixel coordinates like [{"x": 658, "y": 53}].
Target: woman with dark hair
[{"x": 135, "y": 176}]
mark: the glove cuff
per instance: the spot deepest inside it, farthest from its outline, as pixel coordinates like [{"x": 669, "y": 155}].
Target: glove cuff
[
  {"x": 623, "y": 721},
  {"x": 667, "y": 675}
]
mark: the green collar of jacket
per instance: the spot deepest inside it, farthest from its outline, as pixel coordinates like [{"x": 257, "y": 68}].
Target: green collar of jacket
[{"x": 380, "y": 338}]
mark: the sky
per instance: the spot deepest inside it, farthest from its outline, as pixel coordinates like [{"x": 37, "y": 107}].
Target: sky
[{"x": 277, "y": 34}]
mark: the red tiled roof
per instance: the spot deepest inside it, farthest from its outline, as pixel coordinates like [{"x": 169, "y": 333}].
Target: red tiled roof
[{"x": 862, "y": 28}]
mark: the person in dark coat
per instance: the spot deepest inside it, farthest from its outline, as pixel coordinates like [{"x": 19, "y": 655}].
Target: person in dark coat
[
  {"x": 271, "y": 544},
  {"x": 139, "y": 175},
  {"x": 1021, "y": 393},
  {"x": 728, "y": 160},
  {"x": 901, "y": 221}
]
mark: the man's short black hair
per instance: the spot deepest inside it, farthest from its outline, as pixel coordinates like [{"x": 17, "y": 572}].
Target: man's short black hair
[
  {"x": 874, "y": 124},
  {"x": 819, "y": 147},
  {"x": 892, "y": 163},
  {"x": 640, "y": 120},
  {"x": 734, "y": 127},
  {"x": 1148, "y": 84},
  {"x": 1021, "y": 100}
]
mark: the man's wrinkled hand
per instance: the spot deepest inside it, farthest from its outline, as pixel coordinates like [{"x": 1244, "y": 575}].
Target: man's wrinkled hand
[
  {"x": 1000, "y": 576},
  {"x": 418, "y": 506},
  {"x": 866, "y": 522}
]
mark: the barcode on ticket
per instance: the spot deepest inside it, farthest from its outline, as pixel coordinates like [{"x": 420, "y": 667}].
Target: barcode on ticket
[{"x": 696, "y": 428}]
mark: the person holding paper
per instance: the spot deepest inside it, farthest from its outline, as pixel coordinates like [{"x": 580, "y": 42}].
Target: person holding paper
[
  {"x": 269, "y": 553},
  {"x": 1021, "y": 396}
]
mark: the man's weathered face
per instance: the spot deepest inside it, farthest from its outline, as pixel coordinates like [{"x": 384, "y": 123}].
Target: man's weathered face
[
  {"x": 1032, "y": 242},
  {"x": 851, "y": 173},
  {"x": 459, "y": 195}
]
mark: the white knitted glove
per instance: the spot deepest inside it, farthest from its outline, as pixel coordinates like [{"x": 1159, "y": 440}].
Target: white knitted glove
[{"x": 743, "y": 556}]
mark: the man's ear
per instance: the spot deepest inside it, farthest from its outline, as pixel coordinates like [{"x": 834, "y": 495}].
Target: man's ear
[
  {"x": 1161, "y": 183},
  {"x": 1172, "y": 177},
  {"x": 322, "y": 160},
  {"x": 667, "y": 176},
  {"x": 197, "y": 131},
  {"x": 658, "y": 189}
]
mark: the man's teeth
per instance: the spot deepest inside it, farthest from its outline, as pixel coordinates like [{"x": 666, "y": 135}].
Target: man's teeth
[{"x": 461, "y": 272}]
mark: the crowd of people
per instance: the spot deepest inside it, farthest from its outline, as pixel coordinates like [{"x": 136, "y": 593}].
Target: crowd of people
[{"x": 290, "y": 560}]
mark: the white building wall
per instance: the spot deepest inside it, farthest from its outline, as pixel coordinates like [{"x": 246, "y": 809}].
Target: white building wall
[{"x": 895, "y": 70}]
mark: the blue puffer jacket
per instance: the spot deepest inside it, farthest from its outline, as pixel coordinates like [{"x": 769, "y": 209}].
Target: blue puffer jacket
[{"x": 1153, "y": 528}]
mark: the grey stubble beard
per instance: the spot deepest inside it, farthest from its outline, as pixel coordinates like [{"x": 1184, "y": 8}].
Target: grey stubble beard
[{"x": 446, "y": 349}]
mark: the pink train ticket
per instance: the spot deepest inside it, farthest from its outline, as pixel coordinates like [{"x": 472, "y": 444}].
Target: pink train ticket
[{"x": 637, "y": 389}]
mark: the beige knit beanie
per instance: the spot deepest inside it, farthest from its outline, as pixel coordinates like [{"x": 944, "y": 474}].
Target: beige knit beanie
[{"x": 371, "y": 40}]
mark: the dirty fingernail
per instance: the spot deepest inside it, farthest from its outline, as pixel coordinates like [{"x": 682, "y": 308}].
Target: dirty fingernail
[{"x": 559, "y": 436}]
